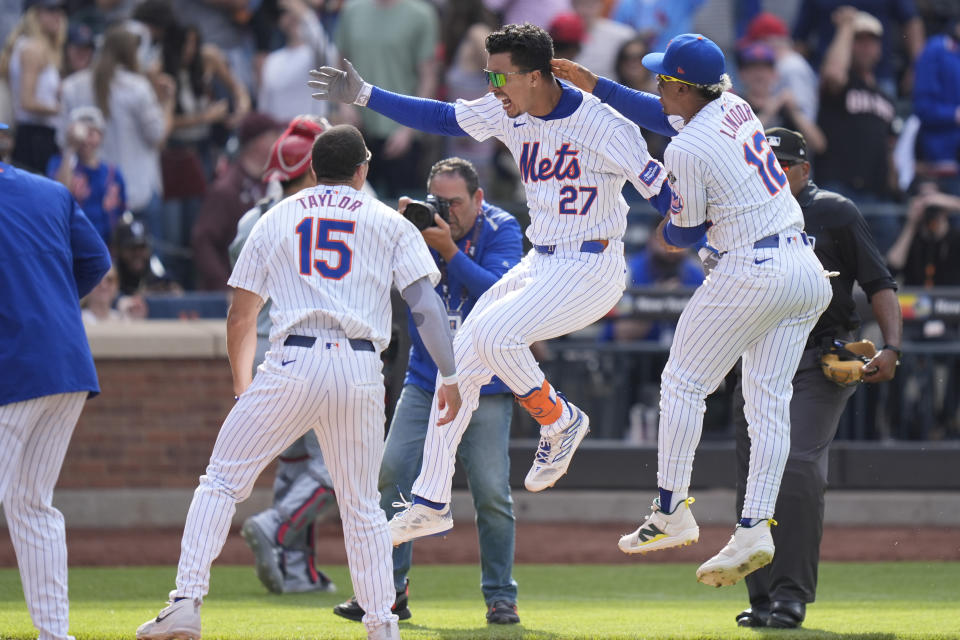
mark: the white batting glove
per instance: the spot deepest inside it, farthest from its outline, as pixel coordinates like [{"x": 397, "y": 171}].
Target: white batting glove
[
  {"x": 709, "y": 257},
  {"x": 332, "y": 84}
]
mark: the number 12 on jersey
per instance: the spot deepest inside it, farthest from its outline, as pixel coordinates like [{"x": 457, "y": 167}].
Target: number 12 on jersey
[
  {"x": 308, "y": 245},
  {"x": 765, "y": 162}
]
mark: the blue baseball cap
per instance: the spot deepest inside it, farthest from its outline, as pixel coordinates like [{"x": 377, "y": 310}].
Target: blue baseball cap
[{"x": 690, "y": 57}]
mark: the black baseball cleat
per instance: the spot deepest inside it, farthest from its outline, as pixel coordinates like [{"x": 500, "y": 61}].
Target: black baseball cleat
[
  {"x": 351, "y": 609},
  {"x": 753, "y": 617},
  {"x": 502, "y": 612},
  {"x": 786, "y": 614}
]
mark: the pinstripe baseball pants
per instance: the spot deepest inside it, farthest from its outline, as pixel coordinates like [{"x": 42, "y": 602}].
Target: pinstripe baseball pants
[
  {"x": 34, "y": 435},
  {"x": 761, "y": 304},
  {"x": 339, "y": 394},
  {"x": 542, "y": 297}
]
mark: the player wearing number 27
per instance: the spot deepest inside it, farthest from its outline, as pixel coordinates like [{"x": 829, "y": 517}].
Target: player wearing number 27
[
  {"x": 327, "y": 257},
  {"x": 575, "y": 155},
  {"x": 760, "y": 302}
]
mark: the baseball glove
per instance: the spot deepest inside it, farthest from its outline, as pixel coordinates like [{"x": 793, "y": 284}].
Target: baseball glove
[{"x": 843, "y": 362}]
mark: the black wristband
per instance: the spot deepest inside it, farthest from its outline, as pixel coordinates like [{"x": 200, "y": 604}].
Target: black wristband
[{"x": 896, "y": 350}]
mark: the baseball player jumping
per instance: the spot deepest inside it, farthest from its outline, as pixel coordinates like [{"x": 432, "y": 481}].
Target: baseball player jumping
[
  {"x": 761, "y": 300},
  {"x": 574, "y": 155},
  {"x": 327, "y": 257}
]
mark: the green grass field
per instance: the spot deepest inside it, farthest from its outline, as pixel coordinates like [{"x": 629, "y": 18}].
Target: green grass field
[{"x": 659, "y": 601}]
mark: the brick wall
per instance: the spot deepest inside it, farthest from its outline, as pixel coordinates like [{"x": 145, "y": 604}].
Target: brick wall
[{"x": 153, "y": 425}]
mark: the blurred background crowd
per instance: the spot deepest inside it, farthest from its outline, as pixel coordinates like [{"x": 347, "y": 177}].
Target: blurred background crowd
[{"x": 159, "y": 116}]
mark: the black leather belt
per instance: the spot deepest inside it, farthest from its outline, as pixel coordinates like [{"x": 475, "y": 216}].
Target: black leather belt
[{"x": 357, "y": 344}]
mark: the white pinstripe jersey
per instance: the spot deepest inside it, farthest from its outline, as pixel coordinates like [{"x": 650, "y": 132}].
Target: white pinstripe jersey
[
  {"x": 327, "y": 257},
  {"x": 722, "y": 170},
  {"x": 573, "y": 168}
]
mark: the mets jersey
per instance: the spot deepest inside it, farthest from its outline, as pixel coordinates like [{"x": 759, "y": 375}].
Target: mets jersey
[
  {"x": 723, "y": 171},
  {"x": 327, "y": 257},
  {"x": 573, "y": 163}
]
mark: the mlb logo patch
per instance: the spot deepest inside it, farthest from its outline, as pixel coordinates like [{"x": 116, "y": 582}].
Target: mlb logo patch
[
  {"x": 332, "y": 345},
  {"x": 649, "y": 173}
]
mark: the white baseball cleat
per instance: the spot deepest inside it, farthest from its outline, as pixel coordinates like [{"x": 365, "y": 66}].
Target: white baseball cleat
[
  {"x": 555, "y": 452},
  {"x": 178, "y": 621},
  {"x": 418, "y": 521},
  {"x": 662, "y": 530},
  {"x": 749, "y": 549}
]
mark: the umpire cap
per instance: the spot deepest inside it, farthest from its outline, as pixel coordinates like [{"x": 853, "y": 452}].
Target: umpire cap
[
  {"x": 787, "y": 144},
  {"x": 338, "y": 151}
]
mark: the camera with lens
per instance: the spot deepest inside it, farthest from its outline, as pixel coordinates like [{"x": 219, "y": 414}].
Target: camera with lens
[{"x": 421, "y": 212}]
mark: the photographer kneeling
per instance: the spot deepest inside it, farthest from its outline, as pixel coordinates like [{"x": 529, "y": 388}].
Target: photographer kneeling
[{"x": 474, "y": 244}]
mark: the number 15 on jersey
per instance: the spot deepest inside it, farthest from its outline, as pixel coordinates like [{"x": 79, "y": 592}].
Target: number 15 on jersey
[{"x": 334, "y": 266}]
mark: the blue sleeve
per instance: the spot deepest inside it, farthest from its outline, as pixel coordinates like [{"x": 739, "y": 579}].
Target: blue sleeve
[
  {"x": 429, "y": 116},
  {"x": 930, "y": 101},
  {"x": 641, "y": 108},
  {"x": 683, "y": 236},
  {"x": 91, "y": 258},
  {"x": 661, "y": 201},
  {"x": 502, "y": 254}
]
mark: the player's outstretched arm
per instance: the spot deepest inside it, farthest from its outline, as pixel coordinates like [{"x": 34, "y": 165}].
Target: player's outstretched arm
[
  {"x": 574, "y": 73},
  {"x": 640, "y": 107},
  {"x": 332, "y": 84},
  {"x": 429, "y": 116},
  {"x": 430, "y": 318}
]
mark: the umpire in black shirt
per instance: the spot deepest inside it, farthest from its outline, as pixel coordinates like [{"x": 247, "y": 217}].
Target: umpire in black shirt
[{"x": 780, "y": 591}]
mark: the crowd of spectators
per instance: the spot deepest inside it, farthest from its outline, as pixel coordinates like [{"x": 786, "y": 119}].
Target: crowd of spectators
[{"x": 158, "y": 115}]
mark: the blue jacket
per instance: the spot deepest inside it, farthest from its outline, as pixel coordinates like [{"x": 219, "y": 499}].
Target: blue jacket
[
  {"x": 50, "y": 257},
  {"x": 498, "y": 248},
  {"x": 936, "y": 96}
]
